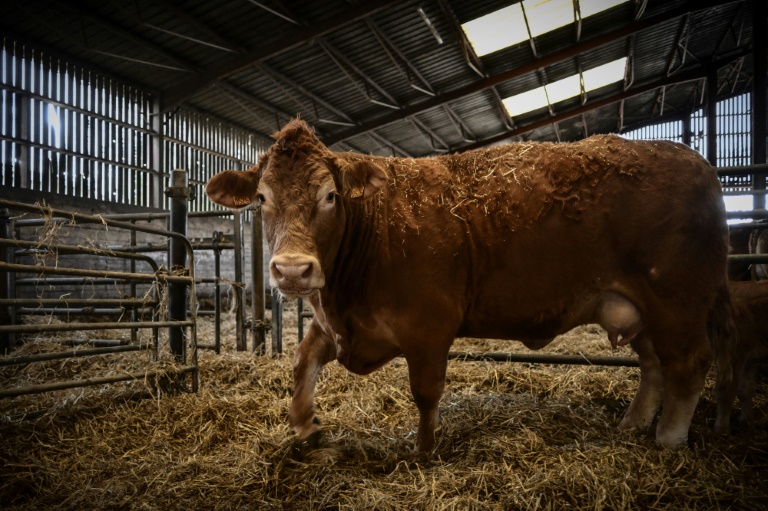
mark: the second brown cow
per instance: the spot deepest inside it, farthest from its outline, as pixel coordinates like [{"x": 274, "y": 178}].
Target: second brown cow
[
  {"x": 747, "y": 351},
  {"x": 399, "y": 256}
]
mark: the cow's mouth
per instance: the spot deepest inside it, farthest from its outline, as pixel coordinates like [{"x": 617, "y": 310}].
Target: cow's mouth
[{"x": 295, "y": 292}]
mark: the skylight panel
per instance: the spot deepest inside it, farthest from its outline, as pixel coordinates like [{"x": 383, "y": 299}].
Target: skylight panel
[
  {"x": 496, "y": 30},
  {"x": 547, "y": 15},
  {"x": 506, "y": 26},
  {"x": 526, "y": 102},
  {"x": 589, "y": 7},
  {"x": 606, "y": 74},
  {"x": 566, "y": 88}
]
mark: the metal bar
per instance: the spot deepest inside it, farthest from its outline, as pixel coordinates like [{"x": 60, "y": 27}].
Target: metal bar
[
  {"x": 277, "y": 323},
  {"x": 239, "y": 288},
  {"x": 748, "y": 258},
  {"x": 72, "y": 249},
  {"x": 546, "y": 359},
  {"x": 8, "y": 361},
  {"x": 119, "y": 302},
  {"x": 89, "y": 382},
  {"x": 139, "y": 277},
  {"x": 751, "y": 213},
  {"x": 217, "y": 300},
  {"x": 92, "y": 219},
  {"x": 178, "y": 194},
  {"x": 75, "y": 311},
  {"x": 745, "y": 192},
  {"x": 258, "y": 313},
  {"x": 74, "y": 327},
  {"x": 760, "y": 168},
  {"x": 64, "y": 281}
]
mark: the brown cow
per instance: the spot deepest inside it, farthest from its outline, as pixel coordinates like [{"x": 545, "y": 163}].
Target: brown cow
[
  {"x": 749, "y": 350},
  {"x": 399, "y": 256}
]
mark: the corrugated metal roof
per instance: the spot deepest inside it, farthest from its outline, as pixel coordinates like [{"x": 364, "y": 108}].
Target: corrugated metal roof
[{"x": 388, "y": 77}]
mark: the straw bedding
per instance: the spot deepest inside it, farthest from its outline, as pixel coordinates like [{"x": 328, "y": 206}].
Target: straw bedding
[{"x": 513, "y": 436}]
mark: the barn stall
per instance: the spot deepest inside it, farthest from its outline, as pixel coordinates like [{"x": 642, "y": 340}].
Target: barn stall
[{"x": 134, "y": 373}]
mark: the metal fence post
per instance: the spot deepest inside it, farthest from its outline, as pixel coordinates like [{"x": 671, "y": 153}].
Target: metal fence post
[
  {"x": 277, "y": 323},
  {"x": 178, "y": 193},
  {"x": 257, "y": 284},
  {"x": 239, "y": 288}
]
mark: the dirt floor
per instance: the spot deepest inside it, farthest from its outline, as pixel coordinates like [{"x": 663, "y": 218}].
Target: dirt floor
[{"x": 513, "y": 436}]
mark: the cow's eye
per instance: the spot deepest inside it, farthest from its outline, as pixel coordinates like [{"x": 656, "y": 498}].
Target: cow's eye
[
  {"x": 330, "y": 197},
  {"x": 261, "y": 198}
]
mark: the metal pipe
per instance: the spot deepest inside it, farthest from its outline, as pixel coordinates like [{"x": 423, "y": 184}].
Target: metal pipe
[
  {"x": 546, "y": 359},
  {"x": 34, "y": 281},
  {"x": 74, "y": 327},
  {"x": 258, "y": 314},
  {"x": 217, "y": 297},
  {"x": 33, "y": 248},
  {"x": 139, "y": 277},
  {"x": 178, "y": 193},
  {"x": 119, "y": 302},
  {"x": 77, "y": 311},
  {"x": 761, "y": 168},
  {"x": 88, "y": 382},
  {"x": 752, "y": 213},
  {"x": 277, "y": 323},
  {"x": 164, "y": 247},
  {"x": 71, "y": 354},
  {"x": 239, "y": 288},
  {"x": 748, "y": 258}
]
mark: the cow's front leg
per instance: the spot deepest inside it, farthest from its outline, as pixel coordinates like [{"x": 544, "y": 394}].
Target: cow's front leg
[
  {"x": 314, "y": 351},
  {"x": 426, "y": 372}
]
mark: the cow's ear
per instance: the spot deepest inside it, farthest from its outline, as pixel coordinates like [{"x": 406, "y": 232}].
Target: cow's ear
[
  {"x": 232, "y": 188},
  {"x": 362, "y": 178}
]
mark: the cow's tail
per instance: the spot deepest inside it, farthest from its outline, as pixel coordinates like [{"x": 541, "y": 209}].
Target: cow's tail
[{"x": 722, "y": 337}]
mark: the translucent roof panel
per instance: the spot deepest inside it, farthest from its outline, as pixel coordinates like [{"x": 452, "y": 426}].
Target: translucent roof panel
[
  {"x": 506, "y": 26},
  {"x": 569, "y": 87},
  {"x": 526, "y": 102}
]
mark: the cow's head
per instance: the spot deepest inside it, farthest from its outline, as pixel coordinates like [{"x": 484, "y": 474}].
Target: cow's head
[{"x": 305, "y": 192}]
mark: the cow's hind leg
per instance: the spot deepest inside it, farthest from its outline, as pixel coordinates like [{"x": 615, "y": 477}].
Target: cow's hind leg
[
  {"x": 685, "y": 356},
  {"x": 647, "y": 400},
  {"x": 315, "y": 350}
]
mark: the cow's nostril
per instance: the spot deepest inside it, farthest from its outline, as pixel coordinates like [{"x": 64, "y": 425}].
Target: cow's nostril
[
  {"x": 276, "y": 271},
  {"x": 307, "y": 272}
]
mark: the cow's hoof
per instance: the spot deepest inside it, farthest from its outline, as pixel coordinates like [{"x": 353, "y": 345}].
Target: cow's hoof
[{"x": 313, "y": 439}]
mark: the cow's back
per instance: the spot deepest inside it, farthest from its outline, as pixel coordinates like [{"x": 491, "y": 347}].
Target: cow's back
[{"x": 537, "y": 230}]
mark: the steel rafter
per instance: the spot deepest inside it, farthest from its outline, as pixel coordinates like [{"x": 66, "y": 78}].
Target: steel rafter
[
  {"x": 186, "y": 89},
  {"x": 686, "y": 76},
  {"x": 532, "y": 66},
  {"x": 474, "y": 62}
]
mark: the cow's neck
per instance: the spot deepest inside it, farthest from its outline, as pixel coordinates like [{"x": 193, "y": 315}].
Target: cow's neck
[{"x": 360, "y": 251}]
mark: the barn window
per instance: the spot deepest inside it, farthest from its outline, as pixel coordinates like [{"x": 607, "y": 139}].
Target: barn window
[{"x": 531, "y": 18}]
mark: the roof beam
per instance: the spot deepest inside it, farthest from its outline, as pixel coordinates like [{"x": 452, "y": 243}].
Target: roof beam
[
  {"x": 686, "y": 76},
  {"x": 490, "y": 81},
  {"x": 181, "y": 92}
]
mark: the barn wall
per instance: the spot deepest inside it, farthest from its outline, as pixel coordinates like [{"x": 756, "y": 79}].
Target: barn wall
[{"x": 86, "y": 142}]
